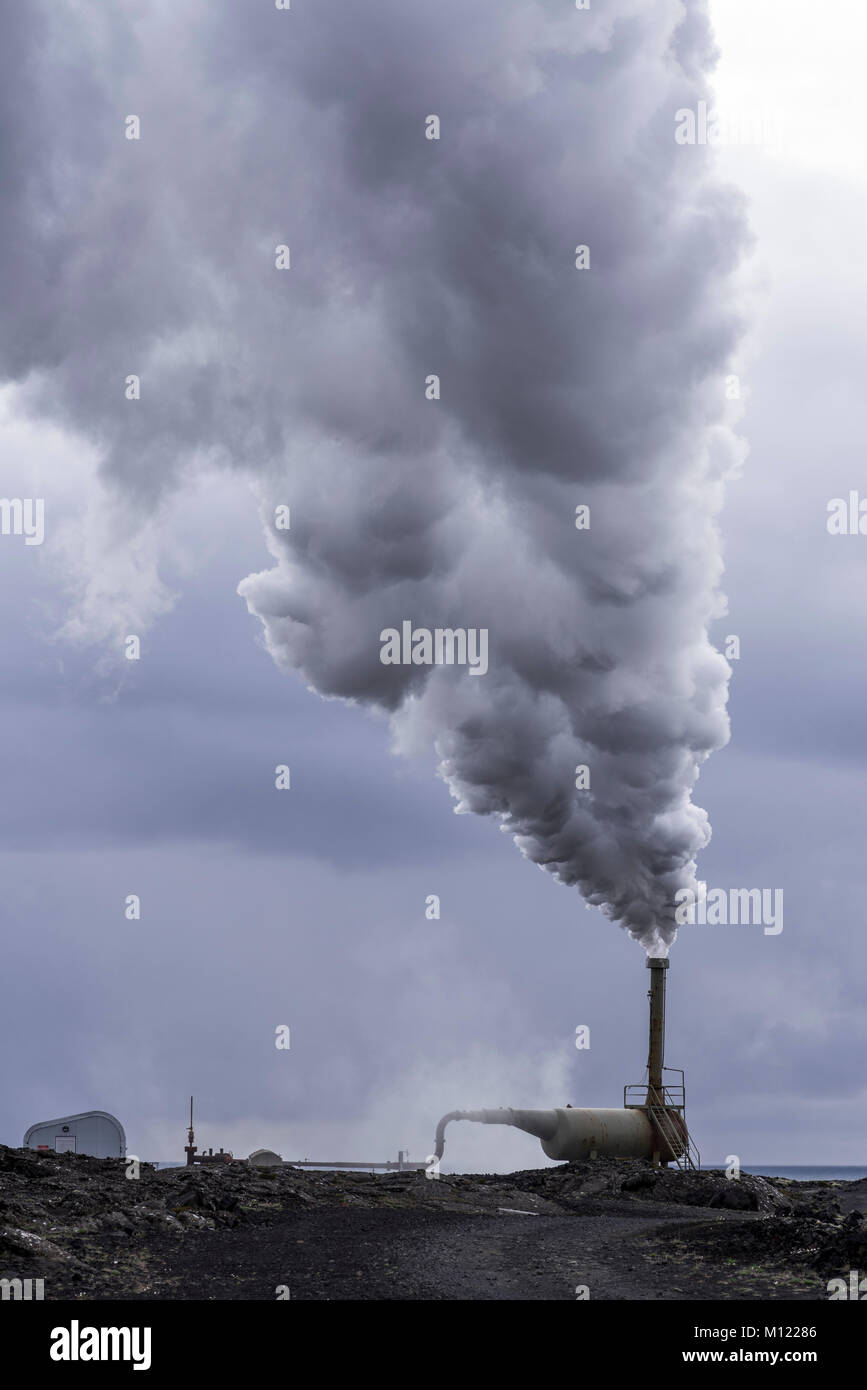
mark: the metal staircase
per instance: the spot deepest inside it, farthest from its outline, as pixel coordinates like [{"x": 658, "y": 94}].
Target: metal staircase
[
  {"x": 683, "y": 1150},
  {"x": 660, "y": 1106}
]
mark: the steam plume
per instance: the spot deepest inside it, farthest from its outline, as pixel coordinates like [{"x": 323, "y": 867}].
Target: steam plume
[{"x": 409, "y": 257}]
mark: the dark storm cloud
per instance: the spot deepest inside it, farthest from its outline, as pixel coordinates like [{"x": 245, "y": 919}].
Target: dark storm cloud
[
  {"x": 412, "y": 257},
  {"x": 188, "y": 751}
]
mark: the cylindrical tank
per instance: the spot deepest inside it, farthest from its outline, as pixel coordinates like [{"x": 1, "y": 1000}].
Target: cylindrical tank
[
  {"x": 605, "y": 1133},
  {"x": 574, "y": 1134}
]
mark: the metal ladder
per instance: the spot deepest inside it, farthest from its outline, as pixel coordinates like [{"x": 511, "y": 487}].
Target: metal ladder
[{"x": 689, "y": 1158}]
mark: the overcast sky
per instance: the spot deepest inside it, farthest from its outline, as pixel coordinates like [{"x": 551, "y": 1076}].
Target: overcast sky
[{"x": 307, "y": 907}]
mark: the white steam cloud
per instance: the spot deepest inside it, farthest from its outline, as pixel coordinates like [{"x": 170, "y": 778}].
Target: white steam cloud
[{"x": 412, "y": 257}]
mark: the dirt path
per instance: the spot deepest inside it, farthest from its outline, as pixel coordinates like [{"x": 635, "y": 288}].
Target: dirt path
[{"x": 404, "y": 1255}]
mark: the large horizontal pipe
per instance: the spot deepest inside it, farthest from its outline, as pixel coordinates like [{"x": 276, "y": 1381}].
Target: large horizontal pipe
[{"x": 576, "y": 1134}]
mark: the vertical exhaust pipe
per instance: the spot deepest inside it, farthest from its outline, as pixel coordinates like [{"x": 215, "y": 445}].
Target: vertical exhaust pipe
[{"x": 657, "y": 965}]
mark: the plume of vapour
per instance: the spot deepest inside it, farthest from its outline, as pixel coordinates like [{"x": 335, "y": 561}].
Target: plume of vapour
[{"x": 409, "y": 257}]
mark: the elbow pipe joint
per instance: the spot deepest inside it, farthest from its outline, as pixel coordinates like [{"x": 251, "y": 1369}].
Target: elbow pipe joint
[{"x": 541, "y": 1123}]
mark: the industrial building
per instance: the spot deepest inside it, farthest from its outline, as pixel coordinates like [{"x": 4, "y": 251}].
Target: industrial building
[
  {"x": 651, "y": 1124},
  {"x": 93, "y": 1132}
]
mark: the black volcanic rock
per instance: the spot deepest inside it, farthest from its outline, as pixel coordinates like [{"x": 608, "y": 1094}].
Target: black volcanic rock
[{"x": 92, "y": 1232}]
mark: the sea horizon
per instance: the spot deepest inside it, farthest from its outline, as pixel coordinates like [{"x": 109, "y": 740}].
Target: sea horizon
[{"x": 800, "y": 1172}]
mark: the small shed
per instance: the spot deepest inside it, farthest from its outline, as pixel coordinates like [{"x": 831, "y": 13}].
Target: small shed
[
  {"x": 93, "y": 1132},
  {"x": 265, "y": 1158}
]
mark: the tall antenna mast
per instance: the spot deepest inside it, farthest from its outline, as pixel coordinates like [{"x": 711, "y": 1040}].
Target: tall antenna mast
[{"x": 190, "y": 1147}]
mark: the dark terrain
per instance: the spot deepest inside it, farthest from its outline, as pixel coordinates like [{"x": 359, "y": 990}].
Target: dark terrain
[{"x": 623, "y": 1229}]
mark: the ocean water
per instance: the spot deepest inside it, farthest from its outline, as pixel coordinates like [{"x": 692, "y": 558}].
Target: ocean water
[{"x": 800, "y": 1172}]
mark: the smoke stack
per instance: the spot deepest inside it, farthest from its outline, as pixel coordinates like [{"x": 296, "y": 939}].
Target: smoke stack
[{"x": 657, "y": 965}]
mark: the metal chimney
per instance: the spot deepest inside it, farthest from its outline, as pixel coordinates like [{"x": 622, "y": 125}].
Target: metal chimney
[{"x": 657, "y": 965}]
